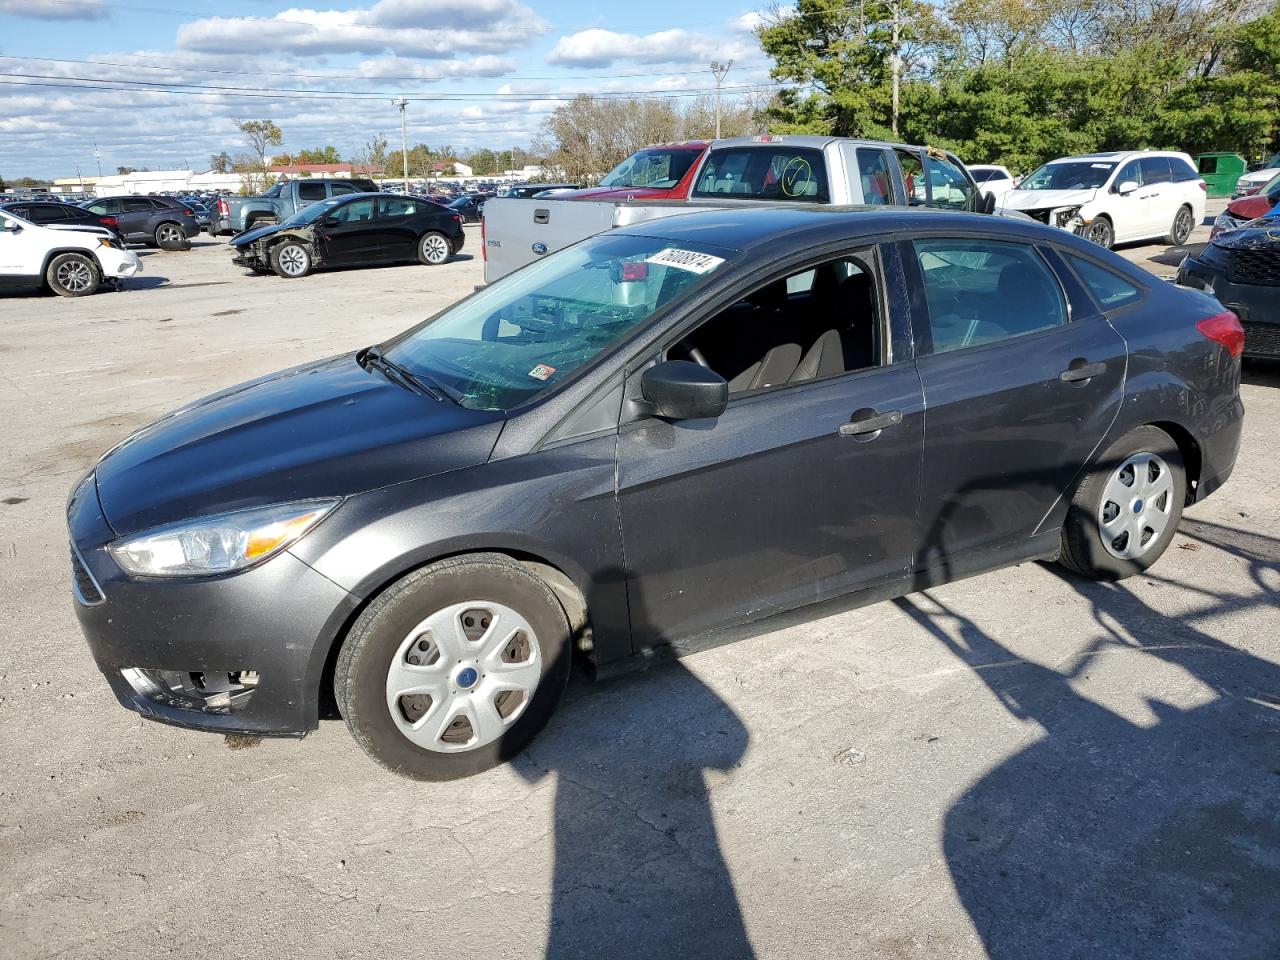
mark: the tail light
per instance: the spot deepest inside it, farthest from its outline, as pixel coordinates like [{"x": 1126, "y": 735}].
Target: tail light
[
  {"x": 109, "y": 221},
  {"x": 223, "y": 209},
  {"x": 456, "y": 218},
  {"x": 1224, "y": 328},
  {"x": 1203, "y": 186},
  {"x": 188, "y": 212}
]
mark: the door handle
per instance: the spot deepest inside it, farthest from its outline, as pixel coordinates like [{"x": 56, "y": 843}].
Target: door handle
[
  {"x": 866, "y": 421},
  {"x": 1080, "y": 370}
]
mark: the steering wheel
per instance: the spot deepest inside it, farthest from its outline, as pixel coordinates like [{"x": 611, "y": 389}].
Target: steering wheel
[{"x": 694, "y": 353}]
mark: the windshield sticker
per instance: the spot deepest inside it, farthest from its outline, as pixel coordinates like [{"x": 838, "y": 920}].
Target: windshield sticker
[
  {"x": 542, "y": 372},
  {"x": 1100, "y": 166},
  {"x": 686, "y": 260}
]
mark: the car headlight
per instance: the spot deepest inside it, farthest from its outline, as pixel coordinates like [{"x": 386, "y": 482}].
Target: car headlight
[
  {"x": 1226, "y": 221},
  {"x": 218, "y": 544},
  {"x": 1065, "y": 215}
]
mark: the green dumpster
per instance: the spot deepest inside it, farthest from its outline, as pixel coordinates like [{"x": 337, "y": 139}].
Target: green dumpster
[{"x": 1220, "y": 171}]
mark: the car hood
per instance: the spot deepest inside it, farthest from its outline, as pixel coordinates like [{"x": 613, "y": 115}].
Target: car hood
[
  {"x": 1259, "y": 176},
  {"x": 324, "y": 429},
  {"x": 1247, "y": 208},
  {"x": 1264, "y": 236},
  {"x": 1046, "y": 199},
  {"x": 617, "y": 193},
  {"x": 81, "y": 228},
  {"x": 257, "y": 233}
]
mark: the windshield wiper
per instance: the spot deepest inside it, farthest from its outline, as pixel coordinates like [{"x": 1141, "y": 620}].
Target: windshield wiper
[{"x": 373, "y": 357}]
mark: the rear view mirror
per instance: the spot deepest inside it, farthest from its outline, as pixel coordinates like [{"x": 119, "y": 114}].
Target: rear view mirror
[
  {"x": 1126, "y": 188},
  {"x": 684, "y": 390}
]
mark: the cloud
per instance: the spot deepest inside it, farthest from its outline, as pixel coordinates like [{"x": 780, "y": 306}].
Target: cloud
[
  {"x": 428, "y": 29},
  {"x": 484, "y": 66},
  {"x": 56, "y": 9},
  {"x": 604, "y": 48}
]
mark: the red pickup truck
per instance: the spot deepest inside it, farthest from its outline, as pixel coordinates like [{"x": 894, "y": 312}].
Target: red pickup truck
[{"x": 663, "y": 171}]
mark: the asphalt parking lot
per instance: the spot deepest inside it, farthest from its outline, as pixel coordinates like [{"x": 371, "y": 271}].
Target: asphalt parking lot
[{"x": 1021, "y": 765}]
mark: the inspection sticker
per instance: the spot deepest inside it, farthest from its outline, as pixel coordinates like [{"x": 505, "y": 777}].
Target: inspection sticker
[
  {"x": 542, "y": 372},
  {"x": 686, "y": 260}
]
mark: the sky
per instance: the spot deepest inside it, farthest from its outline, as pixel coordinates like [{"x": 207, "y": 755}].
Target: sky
[{"x": 478, "y": 73}]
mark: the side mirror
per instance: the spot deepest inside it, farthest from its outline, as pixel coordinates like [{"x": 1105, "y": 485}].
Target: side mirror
[
  {"x": 1126, "y": 188},
  {"x": 986, "y": 202},
  {"x": 684, "y": 390},
  {"x": 12, "y": 226}
]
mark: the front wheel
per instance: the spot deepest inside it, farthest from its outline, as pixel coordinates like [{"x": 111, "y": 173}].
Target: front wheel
[
  {"x": 433, "y": 249},
  {"x": 1183, "y": 223},
  {"x": 1125, "y": 512},
  {"x": 1101, "y": 232},
  {"x": 72, "y": 275},
  {"x": 291, "y": 260},
  {"x": 454, "y": 668},
  {"x": 170, "y": 236}
]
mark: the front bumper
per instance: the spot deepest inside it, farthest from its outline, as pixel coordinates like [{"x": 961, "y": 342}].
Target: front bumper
[
  {"x": 276, "y": 620},
  {"x": 118, "y": 262},
  {"x": 1257, "y": 306}
]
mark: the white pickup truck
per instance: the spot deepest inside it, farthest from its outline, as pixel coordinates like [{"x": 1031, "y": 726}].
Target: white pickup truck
[{"x": 787, "y": 169}]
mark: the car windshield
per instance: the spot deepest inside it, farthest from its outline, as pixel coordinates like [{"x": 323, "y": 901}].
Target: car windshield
[
  {"x": 312, "y": 212},
  {"x": 651, "y": 168},
  {"x": 982, "y": 176},
  {"x": 1069, "y": 175},
  {"x": 459, "y": 201},
  {"x": 531, "y": 331}
]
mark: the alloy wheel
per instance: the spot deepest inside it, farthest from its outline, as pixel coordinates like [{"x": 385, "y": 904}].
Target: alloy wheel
[
  {"x": 1099, "y": 232},
  {"x": 168, "y": 234},
  {"x": 75, "y": 276},
  {"x": 463, "y": 676},
  {"x": 293, "y": 260},
  {"x": 1182, "y": 226},
  {"x": 435, "y": 248},
  {"x": 1136, "y": 505}
]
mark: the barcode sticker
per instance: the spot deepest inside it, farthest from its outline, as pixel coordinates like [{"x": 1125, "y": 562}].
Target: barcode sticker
[{"x": 686, "y": 260}]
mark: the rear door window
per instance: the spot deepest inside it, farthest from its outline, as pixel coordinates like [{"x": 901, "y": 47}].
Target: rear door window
[
  {"x": 310, "y": 192},
  {"x": 1183, "y": 171},
  {"x": 341, "y": 189},
  {"x": 793, "y": 174},
  {"x": 984, "y": 291},
  {"x": 874, "y": 172},
  {"x": 138, "y": 205},
  {"x": 394, "y": 207}
]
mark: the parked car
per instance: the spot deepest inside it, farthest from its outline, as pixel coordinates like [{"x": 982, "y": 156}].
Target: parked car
[
  {"x": 658, "y": 437},
  {"x": 799, "y": 169},
  {"x": 62, "y": 215},
  {"x": 282, "y": 201},
  {"x": 203, "y": 215},
  {"x": 663, "y": 171},
  {"x": 357, "y": 230},
  {"x": 1241, "y": 268},
  {"x": 992, "y": 179},
  {"x": 1256, "y": 179},
  {"x": 72, "y": 262},
  {"x": 1115, "y": 197},
  {"x": 158, "y": 221},
  {"x": 1245, "y": 209},
  {"x": 470, "y": 206}
]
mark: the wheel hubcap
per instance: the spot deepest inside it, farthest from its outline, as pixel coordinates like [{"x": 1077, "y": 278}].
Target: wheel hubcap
[
  {"x": 1137, "y": 503},
  {"x": 463, "y": 675},
  {"x": 74, "y": 276},
  {"x": 1183, "y": 227},
  {"x": 293, "y": 261},
  {"x": 168, "y": 234},
  {"x": 435, "y": 249}
]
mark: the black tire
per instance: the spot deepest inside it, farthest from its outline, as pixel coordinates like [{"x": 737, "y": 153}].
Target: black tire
[
  {"x": 170, "y": 236},
  {"x": 73, "y": 275},
  {"x": 1184, "y": 221},
  {"x": 360, "y": 675},
  {"x": 434, "y": 248},
  {"x": 1101, "y": 232},
  {"x": 1083, "y": 548},
  {"x": 292, "y": 259}
]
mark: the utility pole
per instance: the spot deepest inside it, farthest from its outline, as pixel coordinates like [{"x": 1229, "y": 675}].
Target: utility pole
[
  {"x": 97, "y": 155},
  {"x": 718, "y": 70},
  {"x": 897, "y": 60},
  {"x": 401, "y": 102}
]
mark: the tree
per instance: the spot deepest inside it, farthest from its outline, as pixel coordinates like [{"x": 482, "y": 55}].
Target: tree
[
  {"x": 125, "y": 171},
  {"x": 262, "y": 136},
  {"x": 589, "y": 136},
  {"x": 375, "y": 152},
  {"x": 220, "y": 162},
  {"x": 326, "y": 154}
]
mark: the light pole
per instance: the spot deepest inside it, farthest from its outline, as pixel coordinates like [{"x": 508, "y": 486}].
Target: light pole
[
  {"x": 401, "y": 102},
  {"x": 97, "y": 155},
  {"x": 718, "y": 70}
]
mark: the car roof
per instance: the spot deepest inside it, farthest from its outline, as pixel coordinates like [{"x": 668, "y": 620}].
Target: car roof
[
  {"x": 1116, "y": 156},
  {"x": 746, "y": 226}
]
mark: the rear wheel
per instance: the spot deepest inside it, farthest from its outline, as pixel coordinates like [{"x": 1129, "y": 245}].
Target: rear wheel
[
  {"x": 1183, "y": 223},
  {"x": 1100, "y": 232},
  {"x": 170, "y": 236},
  {"x": 72, "y": 275},
  {"x": 434, "y": 249},
  {"x": 454, "y": 668},
  {"x": 291, "y": 259},
  {"x": 1126, "y": 511}
]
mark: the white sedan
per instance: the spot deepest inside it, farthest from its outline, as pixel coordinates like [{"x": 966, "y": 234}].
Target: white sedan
[
  {"x": 993, "y": 179},
  {"x": 71, "y": 262}
]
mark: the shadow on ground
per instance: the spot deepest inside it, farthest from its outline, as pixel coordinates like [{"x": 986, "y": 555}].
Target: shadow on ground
[{"x": 1108, "y": 837}]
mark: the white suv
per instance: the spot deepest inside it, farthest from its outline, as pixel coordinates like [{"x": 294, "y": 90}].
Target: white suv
[
  {"x": 1115, "y": 197},
  {"x": 71, "y": 262}
]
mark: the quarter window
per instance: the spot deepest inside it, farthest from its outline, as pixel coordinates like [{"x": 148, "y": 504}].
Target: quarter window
[
  {"x": 1107, "y": 288},
  {"x": 983, "y": 291}
]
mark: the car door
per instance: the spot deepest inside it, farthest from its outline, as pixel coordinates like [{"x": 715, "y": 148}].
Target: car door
[
  {"x": 803, "y": 489},
  {"x": 399, "y": 225},
  {"x": 1130, "y": 213},
  {"x": 136, "y": 214},
  {"x": 349, "y": 234},
  {"x": 1021, "y": 384},
  {"x": 22, "y": 249},
  {"x": 108, "y": 207},
  {"x": 1161, "y": 195}
]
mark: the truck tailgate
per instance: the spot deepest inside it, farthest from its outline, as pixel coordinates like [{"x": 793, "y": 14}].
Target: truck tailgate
[{"x": 514, "y": 227}]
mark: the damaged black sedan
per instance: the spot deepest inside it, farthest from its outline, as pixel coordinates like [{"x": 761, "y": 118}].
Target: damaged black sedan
[{"x": 353, "y": 231}]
